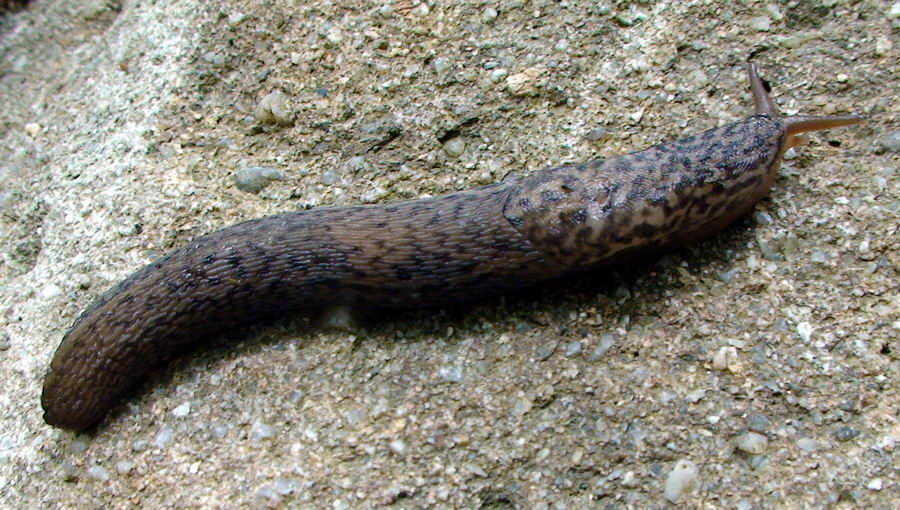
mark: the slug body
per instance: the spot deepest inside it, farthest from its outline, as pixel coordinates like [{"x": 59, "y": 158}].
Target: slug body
[{"x": 426, "y": 252}]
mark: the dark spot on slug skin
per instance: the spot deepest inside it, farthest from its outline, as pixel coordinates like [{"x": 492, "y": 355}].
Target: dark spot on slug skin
[{"x": 427, "y": 252}]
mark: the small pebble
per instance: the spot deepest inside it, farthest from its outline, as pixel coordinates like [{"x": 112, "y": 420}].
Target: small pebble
[
  {"x": 630, "y": 480},
  {"x": 497, "y": 75},
  {"x": 99, "y": 473},
  {"x": 758, "y": 423},
  {"x": 894, "y": 12},
  {"x": 761, "y": 23},
  {"x": 752, "y": 443},
  {"x": 261, "y": 431},
  {"x": 875, "y": 484},
  {"x": 455, "y": 147},
  {"x": 32, "y": 129},
  {"x": 546, "y": 349},
  {"x": 273, "y": 108},
  {"x": 524, "y": 83},
  {"x": 726, "y": 358},
  {"x": 489, "y": 14},
  {"x": 182, "y": 410},
  {"x": 683, "y": 478},
  {"x": 804, "y": 331},
  {"x": 451, "y": 374},
  {"x": 164, "y": 437},
  {"x": 595, "y": 134},
  {"x": 845, "y": 433},
  {"x": 807, "y": 444},
  {"x": 398, "y": 447},
  {"x": 330, "y": 178},
  {"x": 606, "y": 342},
  {"x": 573, "y": 349},
  {"x": 285, "y": 486},
  {"x": 891, "y": 141},
  {"x": 123, "y": 467},
  {"x": 254, "y": 178}
]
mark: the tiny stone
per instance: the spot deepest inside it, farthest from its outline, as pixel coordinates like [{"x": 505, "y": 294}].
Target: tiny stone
[
  {"x": 273, "y": 108},
  {"x": 752, "y": 443},
  {"x": 285, "y": 487},
  {"x": 891, "y": 141},
  {"x": 330, "y": 178},
  {"x": 99, "y": 473},
  {"x": 182, "y": 410},
  {"x": 261, "y": 431},
  {"x": 761, "y": 24},
  {"x": 236, "y": 18},
  {"x": 451, "y": 374},
  {"x": 573, "y": 349},
  {"x": 398, "y": 446},
  {"x": 595, "y": 134},
  {"x": 894, "y": 12},
  {"x": 804, "y": 330},
  {"x": 441, "y": 65},
  {"x": 32, "y": 129},
  {"x": 758, "y": 423},
  {"x": 629, "y": 480},
  {"x": 546, "y": 349},
  {"x": 683, "y": 478},
  {"x": 123, "y": 467},
  {"x": 562, "y": 45},
  {"x": 845, "y": 433},
  {"x": 455, "y": 147},
  {"x": 524, "y": 83},
  {"x": 726, "y": 358},
  {"x": 606, "y": 341},
  {"x": 489, "y": 14},
  {"x": 254, "y": 178},
  {"x": 498, "y": 74},
  {"x": 763, "y": 218},
  {"x": 695, "y": 396},
  {"x": 164, "y": 437},
  {"x": 807, "y": 444},
  {"x": 875, "y": 484}
]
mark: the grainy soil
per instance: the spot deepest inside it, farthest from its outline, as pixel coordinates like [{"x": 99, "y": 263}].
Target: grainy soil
[{"x": 766, "y": 357}]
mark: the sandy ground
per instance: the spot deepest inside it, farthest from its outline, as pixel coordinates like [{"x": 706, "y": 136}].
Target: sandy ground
[{"x": 765, "y": 357}]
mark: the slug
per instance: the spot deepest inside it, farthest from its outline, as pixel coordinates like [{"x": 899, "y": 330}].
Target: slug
[{"x": 426, "y": 252}]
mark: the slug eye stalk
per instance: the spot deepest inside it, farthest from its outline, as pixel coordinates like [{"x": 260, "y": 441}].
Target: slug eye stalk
[{"x": 796, "y": 124}]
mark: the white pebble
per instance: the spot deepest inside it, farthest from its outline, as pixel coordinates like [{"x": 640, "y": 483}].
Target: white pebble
[
  {"x": 33, "y": 129},
  {"x": 98, "y": 473},
  {"x": 726, "y": 358},
  {"x": 804, "y": 330},
  {"x": 182, "y": 410},
  {"x": 261, "y": 431},
  {"x": 164, "y": 437},
  {"x": 123, "y": 467},
  {"x": 894, "y": 12},
  {"x": 683, "y": 478},
  {"x": 875, "y": 484},
  {"x": 752, "y": 443},
  {"x": 398, "y": 446},
  {"x": 455, "y": 147},
  {"x": 498, "y": 74},
  {"x": 489, "y": 14}
]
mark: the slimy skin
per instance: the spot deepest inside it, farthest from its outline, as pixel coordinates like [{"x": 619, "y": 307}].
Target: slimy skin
[{"x": 427, "y": 252}]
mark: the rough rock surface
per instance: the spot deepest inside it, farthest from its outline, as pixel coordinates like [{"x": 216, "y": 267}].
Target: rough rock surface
[{"x": 765, "y": 358}]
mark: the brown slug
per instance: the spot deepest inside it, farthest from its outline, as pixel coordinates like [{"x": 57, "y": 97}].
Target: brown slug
[{"x": 425, "y": 252}]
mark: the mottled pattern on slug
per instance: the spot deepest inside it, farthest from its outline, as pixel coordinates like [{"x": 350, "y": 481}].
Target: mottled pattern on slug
[
  {"x": 414, "y": 253},
  {"x": 668, "y": 194},
  {"x": 425, "y": 252}
]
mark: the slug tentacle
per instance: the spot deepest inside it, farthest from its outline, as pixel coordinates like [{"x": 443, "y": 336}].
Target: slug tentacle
[{"x": 427, "y": 252}]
